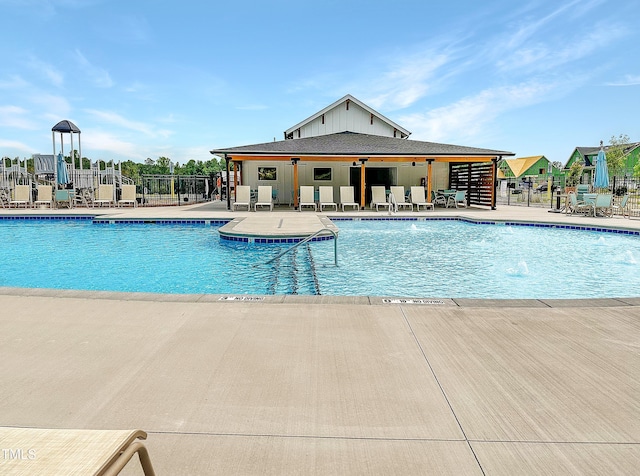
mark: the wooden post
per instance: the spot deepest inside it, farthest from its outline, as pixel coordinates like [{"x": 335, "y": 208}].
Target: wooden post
[
  {"x": 362, "y": 183},
  {"x": 295, "y": 184},
  {"x": 494, "y": 174},
  {"x": 429, "y": 183}
]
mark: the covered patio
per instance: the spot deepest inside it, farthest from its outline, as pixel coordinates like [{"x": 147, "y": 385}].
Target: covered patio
[{"x": 362, "y": 160}]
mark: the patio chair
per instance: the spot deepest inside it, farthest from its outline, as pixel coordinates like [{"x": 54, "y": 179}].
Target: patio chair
[
  {"x": 45, "y": 196},
  {"x": 438, "y": 198},
  {"x": 128, "y": 195},
  {"x": 602, "y": 205},
  {"x": 265, "y": 197},
  {"x": 105, "y": 195},
  {"x": 346, "y": 198},
  {"x": 307, "y": 197},
  {"x": 576, "y": 206},
  {"x": 398, "y": 193},
  {"x": 458, "y": 200},
  {"x": 243, "y": 197},
  {"x": 379, "y": 198},
  {"x": 63, "y": 451},
  {"x": 326, "y": 197},
  {"x": 5, "y": 197},
  {"x": 418, "y": 198},
  {"x": 84, "y": 197},
  {"x": 622, "y": 207},
  {"x": 21, "y": 196}
]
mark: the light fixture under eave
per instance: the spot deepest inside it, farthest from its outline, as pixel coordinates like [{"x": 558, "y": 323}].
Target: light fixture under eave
[{"x": 294, "y": 160}]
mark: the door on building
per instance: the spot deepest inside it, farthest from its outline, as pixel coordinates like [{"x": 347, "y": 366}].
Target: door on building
[{"x": 386, "y": 176}]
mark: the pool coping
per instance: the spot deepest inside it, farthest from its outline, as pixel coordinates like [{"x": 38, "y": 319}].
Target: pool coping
[{"x": 295, "y": 299}]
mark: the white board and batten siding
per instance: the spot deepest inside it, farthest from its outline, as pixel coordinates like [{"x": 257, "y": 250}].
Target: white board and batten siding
[{"x": 347, "y": 114}]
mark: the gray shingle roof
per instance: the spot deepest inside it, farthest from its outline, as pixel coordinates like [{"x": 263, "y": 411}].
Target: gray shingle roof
[{"x": 359, "y": 145}]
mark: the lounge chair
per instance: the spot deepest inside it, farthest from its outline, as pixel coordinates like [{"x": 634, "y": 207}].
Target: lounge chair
[
  {"x": 346, "y": 198},
  {"x": 105, "y": 195},
  {"x": 458, "y": 199},
  {"x": 128, "y": 195},
  {"x": 21, "y": 196},
  {"x": 418, "y": 198},
  {"x": 602, "y": 205},
  {"x": 398, "y": 194},
  {"x": 265, "y": 198},
  {"x": 379, "y": 198},
  {"x": 307, "y": 197},
  {"x": 63, "y": 451},
  {"x": 326, "y": 197},
  {"x": 623, "y": 207},
  {"x": 243, "y": 197},
  {"x": 45, "y": 196}
]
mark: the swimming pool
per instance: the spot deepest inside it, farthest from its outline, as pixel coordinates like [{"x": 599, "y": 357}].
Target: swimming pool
[{"x": 376, "y": 258}]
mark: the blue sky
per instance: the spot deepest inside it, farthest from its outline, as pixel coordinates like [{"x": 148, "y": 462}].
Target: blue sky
[{"x": 145, "y": 78}]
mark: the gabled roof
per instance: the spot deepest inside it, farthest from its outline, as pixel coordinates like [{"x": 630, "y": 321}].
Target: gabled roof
[
  {"x": 348, "y": 97},
  {"x": 358, "y": 145},
  {"x": 521, "y": 165},
  {"x": 586, "y": 152}
]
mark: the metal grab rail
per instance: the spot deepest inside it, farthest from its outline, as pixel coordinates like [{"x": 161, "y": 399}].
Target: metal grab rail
[{"x": 306, "y": 240}]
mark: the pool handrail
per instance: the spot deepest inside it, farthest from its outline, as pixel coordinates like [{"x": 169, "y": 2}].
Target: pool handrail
[{"x": 306, "y": 240}]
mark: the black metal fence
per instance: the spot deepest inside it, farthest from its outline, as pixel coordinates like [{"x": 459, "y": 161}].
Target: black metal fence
[
  {"x": 165, "y": 190},
  {"x": 532, "y": 193}
]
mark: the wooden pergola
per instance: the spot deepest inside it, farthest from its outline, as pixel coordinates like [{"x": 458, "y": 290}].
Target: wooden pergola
[{"x": 366, "y": 149}]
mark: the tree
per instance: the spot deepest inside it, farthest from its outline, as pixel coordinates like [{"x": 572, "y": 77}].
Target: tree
[
  {"x": 574, "y": 174},
  {"x": 616, "y": 154}
]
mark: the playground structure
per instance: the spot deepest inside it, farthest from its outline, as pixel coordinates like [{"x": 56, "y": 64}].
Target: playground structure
[{"x": 71, "y": 183}]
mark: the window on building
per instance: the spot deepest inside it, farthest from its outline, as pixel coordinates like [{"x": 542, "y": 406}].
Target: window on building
[
  {"x": 267, "y": 173},
  {"x": 322, "y": 173}
]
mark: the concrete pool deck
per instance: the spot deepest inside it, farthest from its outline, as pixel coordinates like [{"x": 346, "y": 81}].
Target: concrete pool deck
[{"x": 332, "y": 385}]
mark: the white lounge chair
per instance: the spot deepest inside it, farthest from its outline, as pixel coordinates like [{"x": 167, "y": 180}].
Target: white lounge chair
[
  {"x": 346, "y": 198},
  {"x": 326, "y": 197},
  {"x": 418, "y": 198},
  {"x": 243, "y": 197},
  {"x": 64, "y": 451},
  {"x": 105, "y": 195},
  {"x": 307, "y": 197},
  {"x": 379, "y": 198},
  {"x": 21, "y": 196},
  {"x": 45, "y": 196},
  {"x": 265, "y": 197},
  {"x": 398, "y": 195},
  {"x": 128, "y": 196},
  {"x": 458, "y": 200}
]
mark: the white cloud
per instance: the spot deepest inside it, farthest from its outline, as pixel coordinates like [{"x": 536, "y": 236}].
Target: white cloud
[
  {"x": 16, "y": 145},
  {"x": 16, "y": 117},
  {"x": 116, "y": 119},
  {"x": 97, "y": 142},
  {"x": 99, "y": 76},
  {"x": 14, "y": 82},
  {"x": 627, "y": 80},
  {"x": 471, "y": 116},
  {"x": 49, "y": 71}
]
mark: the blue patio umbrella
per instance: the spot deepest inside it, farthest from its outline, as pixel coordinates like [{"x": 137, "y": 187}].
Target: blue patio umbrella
[
  {"x": 602, "y": 172},
  {"x": 61, "y": 169}
]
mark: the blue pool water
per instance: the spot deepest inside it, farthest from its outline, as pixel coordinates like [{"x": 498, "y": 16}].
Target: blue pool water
[{"x": 376, "y": 258}]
